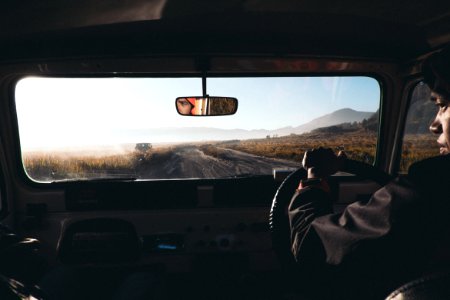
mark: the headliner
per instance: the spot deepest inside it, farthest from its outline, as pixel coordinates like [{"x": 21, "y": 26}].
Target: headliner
[{"x": 383, "y": 28}]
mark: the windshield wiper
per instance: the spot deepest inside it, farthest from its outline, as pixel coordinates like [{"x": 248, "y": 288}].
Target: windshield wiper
[
  {"x": 245, "y": 175},
  {"x": 99, "y": 179}
]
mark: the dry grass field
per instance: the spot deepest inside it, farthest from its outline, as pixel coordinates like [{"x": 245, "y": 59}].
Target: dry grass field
[
  {"x": 417, "y": 147},
  {"x": 49, "y": 167},
  {"x": 358, "y": 145},
  {"x": 62, "y": 165}
]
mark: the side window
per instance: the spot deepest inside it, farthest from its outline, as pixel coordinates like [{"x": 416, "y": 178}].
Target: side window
[{"x": 418, "y": 142}]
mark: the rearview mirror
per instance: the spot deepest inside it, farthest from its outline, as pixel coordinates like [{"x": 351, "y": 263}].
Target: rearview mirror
[{"x": 206, "y": 106}]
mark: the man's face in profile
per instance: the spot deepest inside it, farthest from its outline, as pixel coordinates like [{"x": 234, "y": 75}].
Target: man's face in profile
[{"x": 441, "y": 123}]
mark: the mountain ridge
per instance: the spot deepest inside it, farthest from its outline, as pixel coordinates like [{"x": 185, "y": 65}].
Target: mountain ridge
[{"x": 345, "y": 115}]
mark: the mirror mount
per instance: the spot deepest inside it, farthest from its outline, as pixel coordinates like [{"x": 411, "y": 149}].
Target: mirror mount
[
  {"x": 204, "y": 85},
  {"x": 203, "y": 65}
]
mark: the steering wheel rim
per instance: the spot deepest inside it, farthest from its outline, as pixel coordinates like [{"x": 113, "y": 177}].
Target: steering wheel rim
[{"x": 278, "y": 219}]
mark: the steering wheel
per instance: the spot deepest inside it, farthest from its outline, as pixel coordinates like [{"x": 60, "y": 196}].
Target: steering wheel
[{"x": 278, "y": 219}]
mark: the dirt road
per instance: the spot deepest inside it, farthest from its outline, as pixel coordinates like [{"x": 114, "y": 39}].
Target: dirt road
[{"x": 191, "y": 162}]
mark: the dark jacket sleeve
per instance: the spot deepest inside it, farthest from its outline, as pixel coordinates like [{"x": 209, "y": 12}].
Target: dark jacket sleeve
[
  {"x": 306, "y": 205},
  {"x": 319, "y": 235}
]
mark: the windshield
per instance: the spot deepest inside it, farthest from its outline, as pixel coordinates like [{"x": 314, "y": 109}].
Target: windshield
[{"x": 90, "y": 128}]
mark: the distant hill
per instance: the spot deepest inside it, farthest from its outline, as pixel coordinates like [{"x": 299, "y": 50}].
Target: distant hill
[
  {"x": 345, "y": 115},
  {"x": 369, "y": 124},
  {"x": 168, "y": 134},
  {"x": 372, "y": 122},
  {"x": 338, "y": 129}
]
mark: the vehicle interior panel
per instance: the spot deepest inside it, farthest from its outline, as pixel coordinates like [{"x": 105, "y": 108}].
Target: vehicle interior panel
[{"x": 109, "y": 181}]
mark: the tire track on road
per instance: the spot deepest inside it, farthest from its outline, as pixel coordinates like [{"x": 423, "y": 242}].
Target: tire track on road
[{"x": 191, "y": 162}]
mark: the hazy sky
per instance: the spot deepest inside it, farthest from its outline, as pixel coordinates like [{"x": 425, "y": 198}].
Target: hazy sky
[{"x": 65, "y": 112}]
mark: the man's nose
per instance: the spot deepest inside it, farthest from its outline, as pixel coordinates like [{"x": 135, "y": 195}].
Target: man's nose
[{"x": 436, "y": 126}]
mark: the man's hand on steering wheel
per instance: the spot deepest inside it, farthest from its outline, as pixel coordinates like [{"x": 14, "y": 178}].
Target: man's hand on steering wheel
[{"x": 323, "y": 162}]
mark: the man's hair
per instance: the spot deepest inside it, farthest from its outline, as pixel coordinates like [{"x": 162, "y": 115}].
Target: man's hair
[{"x": 436, "y": 72}]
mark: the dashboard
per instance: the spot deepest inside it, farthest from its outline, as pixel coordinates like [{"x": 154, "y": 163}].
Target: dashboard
[{"x": 198, "y": 224}]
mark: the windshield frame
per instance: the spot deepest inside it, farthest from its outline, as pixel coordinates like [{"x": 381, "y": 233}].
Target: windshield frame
[{"x": 30, "y": 182}]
